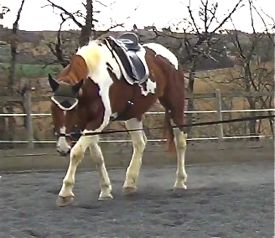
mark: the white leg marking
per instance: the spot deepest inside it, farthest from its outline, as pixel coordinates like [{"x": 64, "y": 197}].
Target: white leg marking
[
  {"x": 105, "y": 184},
  {"x": 181, "y": 175},
  {"x": 76, "y": 156},
  {"x": 139, "y": 141},
  {"x": 62, "y": 144}
]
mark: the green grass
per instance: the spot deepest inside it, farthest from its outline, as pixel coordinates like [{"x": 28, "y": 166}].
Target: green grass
[{"x": 31, "y": 70}]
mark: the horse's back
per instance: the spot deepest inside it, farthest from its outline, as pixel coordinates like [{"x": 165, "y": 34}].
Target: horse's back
[{"x": 164, "y": 52}]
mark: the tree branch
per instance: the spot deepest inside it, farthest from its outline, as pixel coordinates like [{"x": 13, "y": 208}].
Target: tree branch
[{"x": 71, "y": 15}]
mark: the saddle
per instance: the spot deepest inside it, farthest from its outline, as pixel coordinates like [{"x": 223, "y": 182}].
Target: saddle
[{"x": 130, "y": 57}]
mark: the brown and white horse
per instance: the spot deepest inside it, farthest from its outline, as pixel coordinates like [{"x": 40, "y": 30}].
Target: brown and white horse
[{"x": 92, "y": 91}]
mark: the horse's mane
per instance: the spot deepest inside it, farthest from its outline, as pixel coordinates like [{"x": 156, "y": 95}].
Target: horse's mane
[{"x": 75, "y": 71}]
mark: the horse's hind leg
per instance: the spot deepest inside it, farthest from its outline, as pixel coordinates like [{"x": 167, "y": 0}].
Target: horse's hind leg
[
  {"x": 66, "y": 195},
  {"x": 176, "y": 113},
  {"x": 105, "y": 184},
  {"x": 139, "y": 141},
  {"x": 180, "y": 143}
]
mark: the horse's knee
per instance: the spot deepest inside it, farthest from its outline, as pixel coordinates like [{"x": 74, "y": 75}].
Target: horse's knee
[{"x": 76, "y": 154}]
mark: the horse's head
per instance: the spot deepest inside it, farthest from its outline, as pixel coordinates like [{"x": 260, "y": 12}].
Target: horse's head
[{"x": 64, "y": 112}]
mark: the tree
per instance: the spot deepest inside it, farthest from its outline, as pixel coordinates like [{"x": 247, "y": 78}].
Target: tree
[
  {"x": 254, "y": 74},
  {"x": 13, "y": 41},
  {"x": 4, "y": 10},
  {"x": 87, "y": 30},
  {"x": 198, "y": 40}
]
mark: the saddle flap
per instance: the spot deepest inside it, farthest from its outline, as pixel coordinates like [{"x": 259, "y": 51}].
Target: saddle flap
[{"x": 137, "y": 66}]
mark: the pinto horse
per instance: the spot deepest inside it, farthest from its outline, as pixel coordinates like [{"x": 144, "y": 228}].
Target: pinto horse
[{"x": 95, "y": 89}]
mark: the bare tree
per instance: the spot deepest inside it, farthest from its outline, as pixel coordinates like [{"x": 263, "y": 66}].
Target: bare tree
[
  {"x": 87, "y": 30},
  {"x": 4, "y": 10},
  {"x": 199, "y": 39},
  {"x": 13, "y": 48},
  {"x": 12, "y": 69},
  {"x": 254, "y": 75}
]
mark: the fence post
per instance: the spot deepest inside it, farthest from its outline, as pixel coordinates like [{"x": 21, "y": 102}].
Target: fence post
[
  {"x": 219, "y": 113},
  {"x": 28, "y": 102}
]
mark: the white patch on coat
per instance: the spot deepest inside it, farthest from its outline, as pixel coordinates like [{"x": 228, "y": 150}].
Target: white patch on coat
[
  {"x": 164, "y": 52},
  {"x": 96, "y": 56},
  {"x": 150, "y": 87}
]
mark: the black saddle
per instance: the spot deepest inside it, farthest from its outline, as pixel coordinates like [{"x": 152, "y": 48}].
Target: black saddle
[
  {"x": 130, "y": 41},
  {"x": 126, "y": 48}
]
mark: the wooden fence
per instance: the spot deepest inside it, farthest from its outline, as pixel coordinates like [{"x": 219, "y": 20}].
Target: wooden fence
[{"x": 28, "y": 99}]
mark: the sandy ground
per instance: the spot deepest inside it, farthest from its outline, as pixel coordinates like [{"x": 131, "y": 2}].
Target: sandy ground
[{"x": 232, "y": 199}]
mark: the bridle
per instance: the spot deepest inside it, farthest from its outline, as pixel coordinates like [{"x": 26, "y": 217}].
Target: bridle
[{"x": 73, "y": 136}]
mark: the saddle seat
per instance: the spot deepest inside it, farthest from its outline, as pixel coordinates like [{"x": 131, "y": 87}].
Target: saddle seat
[{"x": 130, "y": 56}]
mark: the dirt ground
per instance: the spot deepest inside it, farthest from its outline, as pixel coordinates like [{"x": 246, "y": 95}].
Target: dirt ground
[{"x": 224, "y": 199}]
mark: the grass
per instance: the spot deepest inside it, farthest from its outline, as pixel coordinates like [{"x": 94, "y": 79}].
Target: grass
[{"x": 31, "y": 70}]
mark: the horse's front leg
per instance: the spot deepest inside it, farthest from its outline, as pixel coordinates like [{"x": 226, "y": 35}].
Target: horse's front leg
[
  {"x": 66, "y": 195},
  {"x": 139, "y": 142},
  {"x": 105, "y": 184}
]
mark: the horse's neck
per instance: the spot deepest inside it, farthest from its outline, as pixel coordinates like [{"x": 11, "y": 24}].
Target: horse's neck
[{"x": 75, "y": 71}]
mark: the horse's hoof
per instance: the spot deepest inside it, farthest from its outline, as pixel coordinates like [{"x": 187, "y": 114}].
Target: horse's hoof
[
  {"x": 105, "y": 197},
  {"x": 64, "y": 201},
  {"x": 129, "y": 190},
  {"x": 179, "y": 188}
]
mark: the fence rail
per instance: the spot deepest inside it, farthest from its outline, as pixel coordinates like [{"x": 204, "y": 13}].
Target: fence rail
[{"x": 28, "y": 99}]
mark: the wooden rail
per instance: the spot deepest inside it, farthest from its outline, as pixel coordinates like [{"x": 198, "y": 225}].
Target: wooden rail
[{"x": 28, "y": 99}]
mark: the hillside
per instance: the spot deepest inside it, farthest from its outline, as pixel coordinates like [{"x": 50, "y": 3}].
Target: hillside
[
  {"x": 34, "y": 54},
  {"x": 33, "y": 46}
]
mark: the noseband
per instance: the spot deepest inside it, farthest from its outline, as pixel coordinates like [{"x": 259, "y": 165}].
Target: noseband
[
  {"x": 65, "y": 103},
  {"x": 65, "y": 97}
]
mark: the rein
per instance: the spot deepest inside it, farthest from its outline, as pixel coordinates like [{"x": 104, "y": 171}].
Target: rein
[{"x": 77, "y": 135}]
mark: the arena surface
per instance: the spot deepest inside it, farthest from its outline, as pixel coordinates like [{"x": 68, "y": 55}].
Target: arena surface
[{"x": 224, "y": 199}]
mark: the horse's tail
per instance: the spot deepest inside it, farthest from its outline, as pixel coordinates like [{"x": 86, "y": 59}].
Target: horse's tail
[{"x": 168, "y": 132}]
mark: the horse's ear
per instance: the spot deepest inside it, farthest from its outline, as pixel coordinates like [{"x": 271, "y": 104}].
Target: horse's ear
[
  {"x": 53, "y": 83},
  {"x": 77, "y": 86}
]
